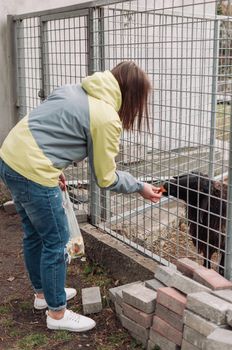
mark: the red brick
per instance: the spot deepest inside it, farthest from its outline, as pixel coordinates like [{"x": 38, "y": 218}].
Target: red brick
[
  {"x": 187, "y": 266},
  {"x": 137, "y": 316},
  {"x": 172, "y": 299},
  {"x": 169, "y": 316},
  {"x": 167, "y": 331},
  {"x": 211, "y": 279},
  {"x": 188, "y": 346},
  {"x": 158, "y": 341}
]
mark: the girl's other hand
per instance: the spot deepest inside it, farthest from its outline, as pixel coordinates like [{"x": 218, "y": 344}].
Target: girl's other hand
[{"x": 62, "y": 183}]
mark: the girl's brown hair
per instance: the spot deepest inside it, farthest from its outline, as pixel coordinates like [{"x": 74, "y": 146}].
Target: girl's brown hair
[{"x": 135, "y": 87}]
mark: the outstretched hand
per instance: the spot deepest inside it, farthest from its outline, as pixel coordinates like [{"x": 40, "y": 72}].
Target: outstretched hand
[{"x": 151, "y": 192}]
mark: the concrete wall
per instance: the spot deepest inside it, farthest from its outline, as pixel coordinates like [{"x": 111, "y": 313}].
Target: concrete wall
[{"x": 14, "y": 7}]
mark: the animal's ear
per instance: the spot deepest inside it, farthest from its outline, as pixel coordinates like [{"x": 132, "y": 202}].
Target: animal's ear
[
  {"x": 203, "y": 205},
  {"x": 205, "y": 185},
  {"x": 180, "y": 176}
]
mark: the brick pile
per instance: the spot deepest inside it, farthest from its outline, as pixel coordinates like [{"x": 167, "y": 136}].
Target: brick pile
[{"x": 187, "y": 308}]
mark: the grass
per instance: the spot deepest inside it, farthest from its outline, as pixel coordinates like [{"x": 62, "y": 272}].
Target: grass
[
  {"x": 32, "y": 341},
  {"x": 63, "y": 336},
  {"x": 7, "y": 322},
  {"x": 15, "y": 333},
  {"x": 117, "y": 338},
  {"x": 39, "y": 340},
  {"x": 25, "y": 305},
  {"x": 5, "y": 309}
]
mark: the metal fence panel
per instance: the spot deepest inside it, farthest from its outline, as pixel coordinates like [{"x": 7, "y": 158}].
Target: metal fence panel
[{"x": 185, "y": 47}]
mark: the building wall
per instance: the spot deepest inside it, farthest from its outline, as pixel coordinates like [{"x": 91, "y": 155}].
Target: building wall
[{"x": 14, "y": 7}]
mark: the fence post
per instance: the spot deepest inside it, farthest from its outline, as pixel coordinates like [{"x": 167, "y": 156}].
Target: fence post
[
  {"x": 214, "y": 100},
  {"x": 105, "y": 195},
  {"x": 21, "y": 71},
  {"x": 228, "y": 253},
  {"x": 12, "y": 42},
  {"x": 94, "y": 65},
  {"x": 42, "y": 93}
]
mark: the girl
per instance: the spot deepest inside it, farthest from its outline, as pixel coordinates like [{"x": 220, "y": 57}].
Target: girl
[{"x": 74, "y": 122}]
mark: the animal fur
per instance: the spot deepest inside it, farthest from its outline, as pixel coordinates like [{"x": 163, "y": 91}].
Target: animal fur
[{"x": 206, "y": 212}]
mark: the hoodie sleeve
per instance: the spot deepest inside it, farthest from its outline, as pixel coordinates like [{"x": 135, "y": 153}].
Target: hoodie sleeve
[{"x": 103, "y": 148}]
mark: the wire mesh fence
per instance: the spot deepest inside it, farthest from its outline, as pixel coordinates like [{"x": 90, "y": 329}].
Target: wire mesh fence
[{"x": 185, "y": 47}]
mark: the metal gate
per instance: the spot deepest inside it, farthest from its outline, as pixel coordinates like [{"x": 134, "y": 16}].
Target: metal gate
[{"x": 185, "y": 47}]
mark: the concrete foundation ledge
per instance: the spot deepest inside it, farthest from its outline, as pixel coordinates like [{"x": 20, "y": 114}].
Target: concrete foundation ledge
[{"x": 124, "y": 263}]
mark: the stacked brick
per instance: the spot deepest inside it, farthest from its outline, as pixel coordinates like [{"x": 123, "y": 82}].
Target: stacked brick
[
  {"x": 167, "y": 329},
  {"x": 135, "y": 307},
  {"x": 206, "y": 316},
  {"x": 188, "y": 309}
]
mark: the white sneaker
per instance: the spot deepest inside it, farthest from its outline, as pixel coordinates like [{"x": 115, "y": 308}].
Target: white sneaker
[
  {"x": 41, "y": 304},
  {"x": 71, "y": 322}
]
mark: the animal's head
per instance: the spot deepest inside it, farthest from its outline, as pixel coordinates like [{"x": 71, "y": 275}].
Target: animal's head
[{"x": 187, "y": 187}]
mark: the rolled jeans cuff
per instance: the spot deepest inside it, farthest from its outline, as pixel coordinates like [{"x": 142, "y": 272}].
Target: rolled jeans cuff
[
  {"x": 57, "y": 308},
  {"x": 38, "y": 290}
]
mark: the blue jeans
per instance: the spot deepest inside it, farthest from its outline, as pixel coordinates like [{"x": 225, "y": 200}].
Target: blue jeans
[{"x": 45, "y": 234}]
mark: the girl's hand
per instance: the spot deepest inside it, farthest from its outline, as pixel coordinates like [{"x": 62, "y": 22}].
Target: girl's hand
[
  {"x": 62, "y": 183},
  {"x": 151, "y": 192}
]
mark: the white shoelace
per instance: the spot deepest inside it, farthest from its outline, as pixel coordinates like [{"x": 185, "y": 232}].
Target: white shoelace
[{"x": 72, "y": 316}]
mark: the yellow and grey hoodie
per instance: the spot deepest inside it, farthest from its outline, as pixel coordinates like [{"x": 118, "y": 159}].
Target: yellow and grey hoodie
[{"x": 74, "y": 122}]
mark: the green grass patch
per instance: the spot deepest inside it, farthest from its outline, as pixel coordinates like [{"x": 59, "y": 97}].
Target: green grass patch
[
  {"x": 62, "y": 336},
  {"x": 93, "y": 269},
  {"x": 7, "y": 322},
  {"x": 135, "y": 344},
  {"x": 5, "y": 309},
  {"x": 156, "y": 347},
  {"x": 117, "y": 338},
  {"x": 32, "y": 341},
  {"x": 25, "y": 305},
  {"x": 15, "y": 333}
]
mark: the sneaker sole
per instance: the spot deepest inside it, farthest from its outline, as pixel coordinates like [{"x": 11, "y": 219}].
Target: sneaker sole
[
  {"x": 70, "y": 329},
  {"x": 45, "y": 307},
  {"x": 40, "y": 308}
]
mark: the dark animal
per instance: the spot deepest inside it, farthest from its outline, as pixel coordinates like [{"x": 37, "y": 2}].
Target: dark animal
[{"x": 206, "y": 212}]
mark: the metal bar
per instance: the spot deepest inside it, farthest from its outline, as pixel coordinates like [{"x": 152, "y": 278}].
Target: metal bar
[
  {"x": 84, "y": 5},
  {"x": 11, "y": 48},
  {"x": 228, "y": 254},
  {"x": 144, "y": 208},
  {"x": 21, "y": 71},
  {"x": 95, "y": 196},
  {"x": 64, "y": 15},
  {"x": 137, "y": 247},
  {"x": 140, "y": 210},
  {"x": 94, "y": 4},
  {"x": 105, "y": 195},
  {"x": 43, "y": 43},
  {"x": 214, "y": 101}
]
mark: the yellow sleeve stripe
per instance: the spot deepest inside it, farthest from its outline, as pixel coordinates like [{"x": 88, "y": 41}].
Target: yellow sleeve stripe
[{"x": 105, "y": 128}]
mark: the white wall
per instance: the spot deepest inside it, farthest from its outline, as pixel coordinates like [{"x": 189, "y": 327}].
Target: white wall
[{"x": 14, "y": 7}]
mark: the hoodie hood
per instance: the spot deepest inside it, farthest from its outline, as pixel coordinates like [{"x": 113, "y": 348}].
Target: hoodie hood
[{"x": 104, "y": 86}]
